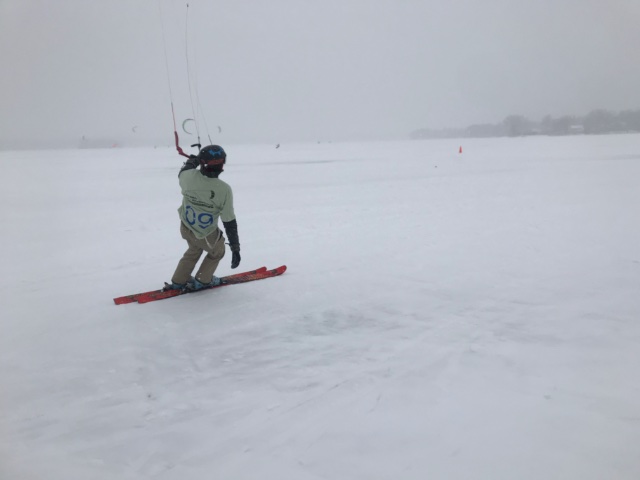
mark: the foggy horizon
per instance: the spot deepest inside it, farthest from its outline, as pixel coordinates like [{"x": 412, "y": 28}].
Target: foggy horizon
[{"x": 292, "y": 72}]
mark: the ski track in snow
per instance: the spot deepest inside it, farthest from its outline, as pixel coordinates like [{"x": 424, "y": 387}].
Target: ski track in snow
[{"x": 443, "y": 315}]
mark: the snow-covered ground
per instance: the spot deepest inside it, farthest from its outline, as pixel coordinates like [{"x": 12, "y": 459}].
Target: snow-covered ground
[{"x": 444, "y": 315}]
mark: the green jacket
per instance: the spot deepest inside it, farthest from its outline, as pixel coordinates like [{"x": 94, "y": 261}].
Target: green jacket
[{"x": 204, "y": 200}]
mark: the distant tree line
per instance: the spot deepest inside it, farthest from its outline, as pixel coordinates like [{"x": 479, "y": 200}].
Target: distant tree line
[{"x": 595, "y": 122}]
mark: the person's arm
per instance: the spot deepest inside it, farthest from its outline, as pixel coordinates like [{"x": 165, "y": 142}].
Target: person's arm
[
  {"x": 190, "y": 164},
  {"x": 231, "y": 229}
]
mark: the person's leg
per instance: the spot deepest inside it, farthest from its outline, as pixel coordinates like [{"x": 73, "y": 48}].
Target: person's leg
[
  {"x": 214, "y": 244},
  {"x": 190, "y": 258}
]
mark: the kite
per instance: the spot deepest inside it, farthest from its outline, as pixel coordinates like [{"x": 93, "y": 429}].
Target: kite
[{"x": 185, "y": 122}]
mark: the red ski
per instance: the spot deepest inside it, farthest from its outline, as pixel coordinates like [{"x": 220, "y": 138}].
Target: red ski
[
  {"x": 244, "y": 277},
  {"x": 134, "y": 297}
]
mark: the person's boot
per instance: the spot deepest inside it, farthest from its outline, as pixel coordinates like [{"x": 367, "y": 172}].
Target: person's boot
[
  {"x": 176, "y": 286},
  {"x": 194, "y": 284}
]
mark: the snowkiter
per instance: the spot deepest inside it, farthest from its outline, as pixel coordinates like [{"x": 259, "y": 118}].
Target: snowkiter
[{"x": 205, "y": 198}]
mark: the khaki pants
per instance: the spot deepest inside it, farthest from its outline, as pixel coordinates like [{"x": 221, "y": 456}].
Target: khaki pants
[{"x": 213, "y": 245}]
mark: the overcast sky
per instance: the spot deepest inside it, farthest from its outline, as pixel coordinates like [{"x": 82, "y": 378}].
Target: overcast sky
[{"x": 287, "y": 70}]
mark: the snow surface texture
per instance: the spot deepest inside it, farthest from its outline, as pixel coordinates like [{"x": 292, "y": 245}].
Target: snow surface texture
[{"x": 444, "y": 315}]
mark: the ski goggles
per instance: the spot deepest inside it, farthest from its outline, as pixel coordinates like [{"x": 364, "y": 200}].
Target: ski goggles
[{"x": 213, "y": 162}]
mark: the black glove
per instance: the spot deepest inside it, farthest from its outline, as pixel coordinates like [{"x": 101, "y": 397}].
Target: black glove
[
  {"x": 235, "y": 258},
  {"x": 234, "y": 242}
]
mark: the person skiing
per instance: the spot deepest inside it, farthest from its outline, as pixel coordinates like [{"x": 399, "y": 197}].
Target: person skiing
[{"x": 205, "y": 198}]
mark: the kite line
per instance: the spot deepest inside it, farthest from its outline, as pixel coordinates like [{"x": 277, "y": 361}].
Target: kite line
[{"x": 191, "y": 90}]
